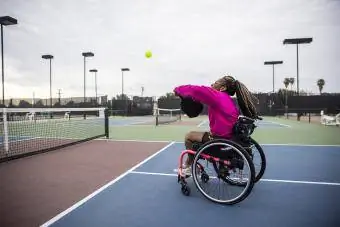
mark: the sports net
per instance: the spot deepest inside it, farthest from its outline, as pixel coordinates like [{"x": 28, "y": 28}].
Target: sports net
[
  {"x": 166, "y": 116},
  {"x": 25, "y": 131}
]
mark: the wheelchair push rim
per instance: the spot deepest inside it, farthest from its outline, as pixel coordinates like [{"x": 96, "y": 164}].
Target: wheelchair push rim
[
  {"x": 247, "y": 164},
  {"x": 263, "y": 160},
  {"x": 259, "y": 167}
]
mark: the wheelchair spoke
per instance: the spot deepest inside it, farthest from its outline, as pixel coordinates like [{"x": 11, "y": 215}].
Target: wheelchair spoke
[{"x": 225, "y": 173}]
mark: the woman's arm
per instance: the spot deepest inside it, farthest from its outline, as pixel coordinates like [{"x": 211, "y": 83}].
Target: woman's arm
[{"x": 203, "y": 94}]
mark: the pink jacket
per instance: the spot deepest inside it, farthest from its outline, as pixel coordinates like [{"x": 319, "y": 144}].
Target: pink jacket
[{"x": 222, "y": 111}]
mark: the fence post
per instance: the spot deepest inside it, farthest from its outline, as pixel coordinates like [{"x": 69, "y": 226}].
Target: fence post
[{"x": 106, "y": 117}]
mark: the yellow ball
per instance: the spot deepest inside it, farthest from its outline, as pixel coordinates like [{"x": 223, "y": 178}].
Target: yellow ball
[{"x": 148, "y": 54}]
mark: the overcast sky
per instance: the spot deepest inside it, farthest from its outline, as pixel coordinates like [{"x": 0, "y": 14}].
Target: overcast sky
[{"x": 193, "y": 41}]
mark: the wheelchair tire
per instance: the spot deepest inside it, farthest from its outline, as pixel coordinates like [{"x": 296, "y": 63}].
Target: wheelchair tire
[
  {"x": 243, "y": 153},
  {"x": 263, "y": 160},
  {"x": 259, "y": 174}
]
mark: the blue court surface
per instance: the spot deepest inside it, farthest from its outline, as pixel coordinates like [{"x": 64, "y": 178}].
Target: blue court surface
[{"x": 301, "y": 187}]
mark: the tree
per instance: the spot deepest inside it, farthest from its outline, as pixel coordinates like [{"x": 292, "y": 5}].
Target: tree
[
  {"x": 39, "y": 104},
  {"x": 291, "y": 81},
  {"x": 70, "y": 104},
  {"x": 57, "y": 105},
  {"x": 122, "y": 97},
  {"x": 320, "y": 83},
  {"x": 10, "y": 105},
  {"x": 169, "y": 96},
  {"x": 24, "y": 104},
  {"x": 286, "y": 82}
]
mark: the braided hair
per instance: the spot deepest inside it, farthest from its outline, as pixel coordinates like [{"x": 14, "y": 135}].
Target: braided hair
[{"x": 245, "y": 99}]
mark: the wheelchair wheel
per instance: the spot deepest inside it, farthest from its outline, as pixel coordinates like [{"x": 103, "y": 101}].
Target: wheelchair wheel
[
  {"x": 223, "y": 156},
  {"x": 259, "y": 167},
  {"x": 258, "y": 159}
]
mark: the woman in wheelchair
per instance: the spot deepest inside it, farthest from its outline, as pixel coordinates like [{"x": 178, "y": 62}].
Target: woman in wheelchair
[{"x": 223, "y": 113}]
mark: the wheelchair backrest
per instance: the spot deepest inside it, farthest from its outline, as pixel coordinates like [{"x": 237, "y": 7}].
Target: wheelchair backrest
[{"x": 244, "y": 127}]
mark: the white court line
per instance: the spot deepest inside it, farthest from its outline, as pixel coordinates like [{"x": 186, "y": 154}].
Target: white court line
[
  {"x": 262, "y": 144},
  {"x": 139, "y": 124},
  {"x": 18, "y": 140},
  {"x": 202, "y": 123},
  {"x": 137, "y": 141},
  {"x": 300, "y": 145},
  {"x": 135, "y": 123},
  {"x": 291, "y": 144},
  {"x": 267, "y": 180},
  {"x": 276, "y": 123},
  {"x": 81, "y": 202}
]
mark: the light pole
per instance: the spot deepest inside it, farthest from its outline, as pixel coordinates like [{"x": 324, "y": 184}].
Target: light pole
[
  {"x": 123, "y": 70},
  {"x": 4, "y": 21},
  {"x": 86, "y": 54},
  {"x": 273, "y": 63},
  {"x": 297, "y": 41},
  {"x": 95, "y": 81},
  {"x": 49, "y": 57}
]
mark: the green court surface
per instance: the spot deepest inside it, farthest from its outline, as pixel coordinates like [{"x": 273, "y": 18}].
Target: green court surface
[
  {"x": 59, "y": 128},
  {"x": 273, "y": 131}
]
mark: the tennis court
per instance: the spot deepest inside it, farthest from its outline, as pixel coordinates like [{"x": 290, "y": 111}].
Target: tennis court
[
  {"x": 129, "y": 180},
  {"x": 289, "y": 195}
]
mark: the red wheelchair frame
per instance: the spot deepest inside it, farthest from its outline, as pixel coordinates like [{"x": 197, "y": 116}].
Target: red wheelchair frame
[{"x": 204, "y": 156}]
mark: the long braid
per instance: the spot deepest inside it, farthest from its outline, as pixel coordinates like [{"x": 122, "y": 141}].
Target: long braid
[{"x": 244, "y": 98}]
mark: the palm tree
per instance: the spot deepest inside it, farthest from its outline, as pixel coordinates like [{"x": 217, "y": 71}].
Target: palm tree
[
  {"x": 320, "y": 83},
  {"x": 291, "y": 81},
  {"x": 286, "y": 82}
]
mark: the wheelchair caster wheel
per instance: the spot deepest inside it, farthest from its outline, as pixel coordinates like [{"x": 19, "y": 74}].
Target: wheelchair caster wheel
[
  {"x": 205, "y": 177},
  {"x": 185, "y": 190}
]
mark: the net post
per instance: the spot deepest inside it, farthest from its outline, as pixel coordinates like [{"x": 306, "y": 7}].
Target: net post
[
  {"x": 4, "y": 111},
  {"x": 157, "y": 114},
  {"x": 106, "y": 116}
]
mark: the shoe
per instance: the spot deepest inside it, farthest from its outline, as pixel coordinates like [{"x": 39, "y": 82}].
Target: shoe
[{"x": 186, "y": 171}]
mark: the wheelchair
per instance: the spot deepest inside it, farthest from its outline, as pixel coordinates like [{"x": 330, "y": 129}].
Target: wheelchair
[{"x": 232, "y": 161}]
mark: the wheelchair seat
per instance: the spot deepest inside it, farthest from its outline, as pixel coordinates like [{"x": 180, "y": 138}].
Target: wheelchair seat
[{"x": 246, "y": 120}]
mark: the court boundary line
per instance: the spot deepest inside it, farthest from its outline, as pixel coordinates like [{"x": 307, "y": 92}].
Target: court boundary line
[
  {"x": 265, "y": 180},
  {"x": 262, "y": 144},
  {"x": 300, "y": 145},
  {"x": 292, "y": 144},
  {"x": 276, "y": 123},
  {"x": 202, "y": 123},
  {"x": 133, "y": 123},
  {"x": 19, "y": 140},
  {"x": 137, "y": 141},
  {"x": 99, "y": 190}
]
